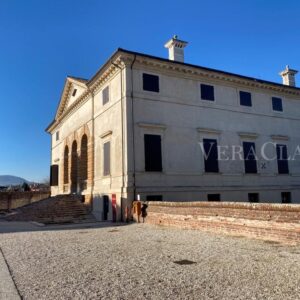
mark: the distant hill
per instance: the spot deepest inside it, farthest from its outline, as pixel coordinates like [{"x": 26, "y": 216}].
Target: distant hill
[{"x": 7, "y": 180}]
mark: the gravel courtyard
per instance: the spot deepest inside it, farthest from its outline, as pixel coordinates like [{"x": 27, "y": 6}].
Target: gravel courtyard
[{"x": 139, "y": 262}]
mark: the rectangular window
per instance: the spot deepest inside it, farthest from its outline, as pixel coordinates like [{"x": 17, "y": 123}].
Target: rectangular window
[
  {"x": 207, "y": 92},
  {"x": 74, "y": 92},
  {"x": 153, "y": 153},
  {"x": 213, "y": 197},
  {"x": 105, "y": 95},
  {"x": 277, "y": 104},
  {"x": 253, "y": 197},
  {"x": 57, "y": 135},
  {"x": 211, "y": 163},
  {"x": 150, "y": 83},
  {"x": 249, "y": 157},
  {"x": 106, "y": 159},
  {"x": 54, "y": 175},
  {"x": 154, "y": 198},
  {"x": 245, "y": 99},
  {"x": 286, "y": 197},
  {"x": 282, "y": 161}
]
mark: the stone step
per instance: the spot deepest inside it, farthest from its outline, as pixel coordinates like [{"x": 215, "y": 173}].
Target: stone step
[{"x": 58, "y": 209}]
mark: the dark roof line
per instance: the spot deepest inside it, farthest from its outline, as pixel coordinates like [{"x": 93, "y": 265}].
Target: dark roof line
[
  {"x": 209, "y": 69},
  {"x": 78, "y": 78}
]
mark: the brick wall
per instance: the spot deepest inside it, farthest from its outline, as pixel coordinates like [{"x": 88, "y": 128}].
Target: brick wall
[
  {"x": 278, "y": 222},
  {"x": 11, "y": 200}
]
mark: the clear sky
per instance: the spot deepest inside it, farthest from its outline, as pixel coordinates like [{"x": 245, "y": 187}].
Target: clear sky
[{"x": 41, "y": 42}]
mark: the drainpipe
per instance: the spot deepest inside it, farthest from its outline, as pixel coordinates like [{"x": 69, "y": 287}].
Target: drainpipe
[
  {"x": 122, "y": 125},
  {"x": 133, "y": 135}
]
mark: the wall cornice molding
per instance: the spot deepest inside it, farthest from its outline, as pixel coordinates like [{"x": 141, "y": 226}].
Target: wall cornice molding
[{"x": 197, "y": 73}]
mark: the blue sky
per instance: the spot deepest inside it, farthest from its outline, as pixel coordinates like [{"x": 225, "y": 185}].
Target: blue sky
[{"x": 41, "y": 42}]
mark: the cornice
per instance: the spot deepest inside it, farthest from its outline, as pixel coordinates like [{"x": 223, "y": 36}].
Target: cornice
[
  {"x": 122, "y": 59},
  {"x": 96, "y": 85},
  {"x": 197, "y": 72}
]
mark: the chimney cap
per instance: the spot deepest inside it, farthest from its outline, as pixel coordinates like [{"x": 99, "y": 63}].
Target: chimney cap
[
  {"x": 174, "y": 41},
  {"x": 287, "y": 70}
]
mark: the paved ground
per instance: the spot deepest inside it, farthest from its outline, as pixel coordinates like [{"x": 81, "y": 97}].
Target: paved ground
[
  {"x": 139, "y": 262},
  {"x": 8, "y": 289}
]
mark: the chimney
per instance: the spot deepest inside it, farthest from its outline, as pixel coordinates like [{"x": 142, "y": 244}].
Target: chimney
[
  {"x": 176, "y": 49},
  {"x": 288, "y": 76}
]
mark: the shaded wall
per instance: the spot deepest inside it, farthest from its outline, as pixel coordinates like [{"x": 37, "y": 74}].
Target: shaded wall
[{"x": 11, "y": 200}]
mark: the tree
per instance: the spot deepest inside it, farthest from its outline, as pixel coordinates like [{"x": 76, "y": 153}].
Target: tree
[{"x": 25, "y": 187}]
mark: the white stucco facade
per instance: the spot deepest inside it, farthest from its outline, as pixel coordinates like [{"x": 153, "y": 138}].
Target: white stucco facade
[{"x": 182, "y": 119}]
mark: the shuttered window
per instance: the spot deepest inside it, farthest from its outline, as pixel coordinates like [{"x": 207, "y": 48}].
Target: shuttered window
[
  {"x": 150, "y": 82},
  {"x": 282, "y": 162},
  {"x": 154, "y": 198},
  {"x": 249, "y": 157},
  {"x": 54, "y": 175},
  {"x": 153, "y": 153},
  {"x": 277, "y": 104},
  {"x": 207, "y": 92},
  {"x": 211, "y": 163},
  {"x": 106, "y": 159},
  {"x": 253, "y": 197},
  {"x": 245, "y": 99},
  {"x": 213, "y": 197},
  {"x": 105, "y": 95}
]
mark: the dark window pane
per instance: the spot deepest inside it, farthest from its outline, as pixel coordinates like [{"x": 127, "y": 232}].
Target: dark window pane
[
  {"x": 154, "y": 198},
  {"x": 54, "y": 175},
  {"x": 105, "y": 95},
  {"x": 282, "y": 162},
  {"x": 253, "y": 197},
  {"x": 249, "y": 157},
  {"x": 277, "y": 104},
  {"x": 207, "y": 92},
  {"x": 213, "y": 197},
  {"x": 286, "y": 197},
  {"x": 106, "y": 159},
  {"x": 150, "y": 83},
  {"x": 153, "y": 157},
  {"x": 211, "y": 163},
  {"x": 57, "y": 135},
  {"x": 74, "y": 92},
  {"x": 245, "y": 99}
]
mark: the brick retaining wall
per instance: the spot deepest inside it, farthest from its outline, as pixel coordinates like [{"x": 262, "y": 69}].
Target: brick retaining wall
[
  {"x": 278, "y": 222},
  {"x": 11, "y": 200}
]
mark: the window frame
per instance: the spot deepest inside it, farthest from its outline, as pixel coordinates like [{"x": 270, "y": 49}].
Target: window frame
[
  {"x": 153, "y": 198},
  {"x": 156, "y": 86},
  {"x": 272, "y": 103},
  {"x": 246, "y": 161},
  {"x": 289, "y": 196},
  {"x": 104, "y": 161},
  {"x": 206, "y": 163},
  {"x": 54, "y": 175},
  {"x": 284, "y": 163},
  {"x": 206, "y": 85},
  {"x": 105, "y": 94},
  {"x": 256, "y": 194},
  {"x": 217, "y": 195},
  {"x": 240, "y": 98},
  {"x": 146, "y": 166}
]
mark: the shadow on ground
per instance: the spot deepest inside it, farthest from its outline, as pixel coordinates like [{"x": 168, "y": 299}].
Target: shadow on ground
[{"x": 13, "y": 227}]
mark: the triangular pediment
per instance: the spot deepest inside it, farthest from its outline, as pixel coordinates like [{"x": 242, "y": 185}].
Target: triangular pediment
[{"x": 74, "y": 87}]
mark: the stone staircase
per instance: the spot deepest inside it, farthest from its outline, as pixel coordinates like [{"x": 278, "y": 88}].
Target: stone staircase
[{"x": 54, "y": 210}]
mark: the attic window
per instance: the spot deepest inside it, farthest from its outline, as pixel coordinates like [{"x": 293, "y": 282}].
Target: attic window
[{"x": 74, "y": 92}]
